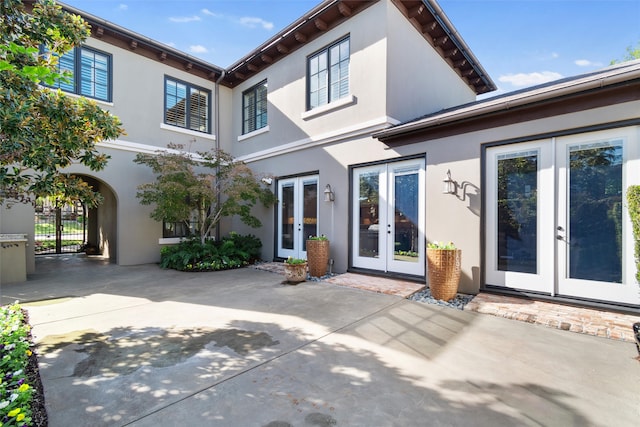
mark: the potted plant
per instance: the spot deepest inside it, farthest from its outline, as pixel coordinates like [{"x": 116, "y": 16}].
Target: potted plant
[
  {"x": 443, "y": 269},
  {"x": 318, "y": 255},
  {"x": 295, "y": 270}
]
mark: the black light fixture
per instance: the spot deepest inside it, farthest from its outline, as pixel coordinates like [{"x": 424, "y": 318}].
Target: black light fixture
[
  {"x": 449, "y": 185},
  {"x": 328, "y": 194}
]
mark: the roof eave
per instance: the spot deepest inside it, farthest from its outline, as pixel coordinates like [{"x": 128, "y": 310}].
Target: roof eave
[{"x": 536, "y": 94}]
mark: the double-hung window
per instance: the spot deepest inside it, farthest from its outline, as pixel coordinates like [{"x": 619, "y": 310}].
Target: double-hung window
[
  {"x": 88, "y": 73},
  {"x": 254, "y": 108},
  {"x": 328, "y": 74},
  {"x": 186, "y": 106}
]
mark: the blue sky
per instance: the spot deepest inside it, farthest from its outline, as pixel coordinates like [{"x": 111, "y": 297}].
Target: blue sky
[{"x": 519, "y": 42}]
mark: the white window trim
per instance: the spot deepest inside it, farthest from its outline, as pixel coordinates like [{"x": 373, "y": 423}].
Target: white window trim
[
  {"x": 184, "y": 131},
  {"x": 254, "y": 133},
  {"x": 171, "y": 240},
  {"x": 342, "y": 102}
]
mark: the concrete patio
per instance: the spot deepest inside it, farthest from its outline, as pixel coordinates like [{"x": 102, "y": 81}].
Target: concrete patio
[{"x": 148, "y": 347}]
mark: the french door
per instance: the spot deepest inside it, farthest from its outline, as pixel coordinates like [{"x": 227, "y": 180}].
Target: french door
[
  {"x": 557, "y": 220},
  {"x": 388, "y": 212},
  {"x": 297, "y": 215}
]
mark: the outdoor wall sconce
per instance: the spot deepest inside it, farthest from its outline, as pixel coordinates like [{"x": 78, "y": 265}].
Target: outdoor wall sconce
[
  {"x": 328, "y": 194},
  {"x": 450, "y": 186}
]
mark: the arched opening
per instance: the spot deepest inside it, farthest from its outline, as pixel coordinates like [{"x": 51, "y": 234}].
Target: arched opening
[
  {"x": 77, "y": 227},
  {"x": 102, "y": 222}
]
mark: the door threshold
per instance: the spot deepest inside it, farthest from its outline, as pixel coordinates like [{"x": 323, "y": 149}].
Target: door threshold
[
  {"x": 564, "y": 299},
  {"x": 388, "y": 274}
]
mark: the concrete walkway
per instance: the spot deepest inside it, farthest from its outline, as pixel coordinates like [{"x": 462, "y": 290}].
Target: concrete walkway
[{"x": 148, "y": 347}]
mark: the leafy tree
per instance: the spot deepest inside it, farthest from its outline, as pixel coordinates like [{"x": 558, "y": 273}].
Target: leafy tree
[
  {"x": 209, "y": 185},
  {"x": 41, "y": 129},
  {"x": 632, "y": 54}
]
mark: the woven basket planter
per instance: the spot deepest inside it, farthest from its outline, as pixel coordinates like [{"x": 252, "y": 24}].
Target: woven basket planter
[
  {"x": 317, "y": 257},
  {"x": 444, "y": 272},
  {"x": 295, "y": 273}
]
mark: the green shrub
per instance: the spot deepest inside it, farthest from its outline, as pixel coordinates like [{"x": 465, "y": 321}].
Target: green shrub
[
  {"x": 231, "y": 252},
  {"x": 633, "y": 199}
]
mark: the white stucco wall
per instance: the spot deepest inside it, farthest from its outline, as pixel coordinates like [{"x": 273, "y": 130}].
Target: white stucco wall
[
  {"x": 419, "y": 80},
  {"x": 287, "y": 88},
  {"x": 138, "y": 99}
]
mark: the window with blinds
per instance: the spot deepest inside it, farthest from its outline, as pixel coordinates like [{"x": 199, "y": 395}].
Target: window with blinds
[
  {"x": 328, "y": 74},
  {"x": 254, "y": 108},
  {"x": 86, "y": 72},
  {"x": 186, "y": 106}
]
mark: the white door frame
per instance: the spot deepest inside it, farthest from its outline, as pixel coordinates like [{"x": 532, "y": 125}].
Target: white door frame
[
  {"x": 542, "y": 279},
  {"x": 379, "y": 234},
  {"x": 552, "y": 275},
  {"x": 300, "y": 228},
  {"x": 627, "y": 291}
]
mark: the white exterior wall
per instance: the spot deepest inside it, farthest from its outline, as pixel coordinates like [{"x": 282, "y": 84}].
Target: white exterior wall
[
  {"x": 419, "y": 80},
  {"x": 138, "y": 99},
  {"x": 287, "y": 88}
]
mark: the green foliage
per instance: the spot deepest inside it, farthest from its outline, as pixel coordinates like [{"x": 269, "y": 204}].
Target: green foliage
[
  {"x": 322, "y": 237},
  {"x": 442, "y": 245},
  {"x": 208, "y": 186},
  {"x": 42, "y": 130},
  {"x": 192, "y": 255},
  {"x": 295, "y": 261},
  {"x": 16, "y": 393},
  {"x": 47, "y": 245},
  {"x": 633, "y": 53},
  {"x": 633, "y": 199}
]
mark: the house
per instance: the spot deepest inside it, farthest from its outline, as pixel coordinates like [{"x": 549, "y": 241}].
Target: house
[{"x": 534, "y": 179}]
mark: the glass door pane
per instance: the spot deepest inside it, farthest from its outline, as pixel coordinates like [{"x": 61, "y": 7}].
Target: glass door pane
[
  {"x": 406, "y": 218},
  {"x": 517, "y": 240},
  {"x": 310, "y": 210},
  {"x": 369, "y": 218},
  {"x": 595, "y": 213},
  {"x": 286, "y": 220}
]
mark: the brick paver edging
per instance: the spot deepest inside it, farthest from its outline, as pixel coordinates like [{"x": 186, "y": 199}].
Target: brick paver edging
[{"x": 569, "y": 318}]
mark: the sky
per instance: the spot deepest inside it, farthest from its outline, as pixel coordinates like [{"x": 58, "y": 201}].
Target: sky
[{"x": 520, "y": 43}]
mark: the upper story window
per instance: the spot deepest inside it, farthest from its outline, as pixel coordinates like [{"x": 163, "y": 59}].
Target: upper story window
[
  {"x": 328, "y": 74},
  {"x": 90, "y": 73},
  {"x": 186, "y": 106},
  {"x": 254, "y": 108}
]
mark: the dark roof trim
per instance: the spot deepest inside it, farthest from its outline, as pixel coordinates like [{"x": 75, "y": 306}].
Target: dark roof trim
[
  {"x": 320, "y": 19},
  {"x": 608, "y": 77},
  {"x": 127, "y": 39},
  {"x": 434, "y": 25},
  {"x": 425, "y": 15}
]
